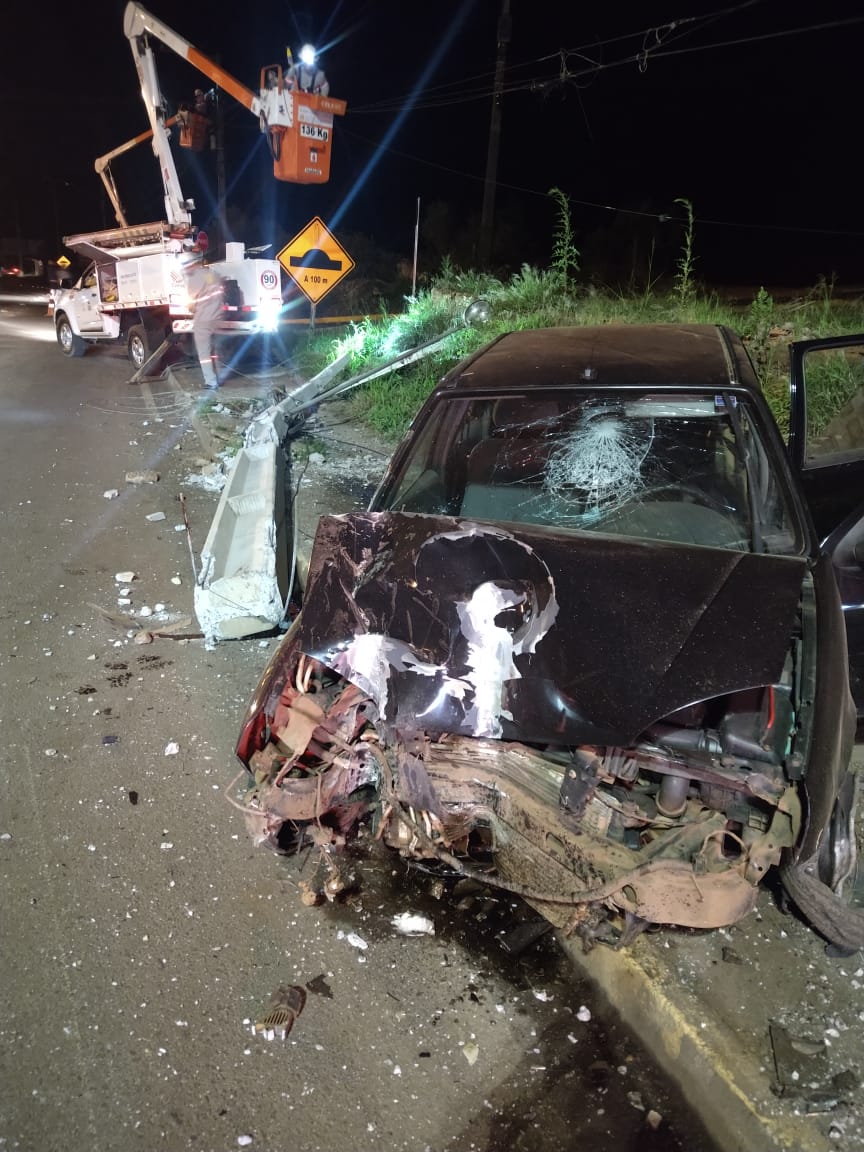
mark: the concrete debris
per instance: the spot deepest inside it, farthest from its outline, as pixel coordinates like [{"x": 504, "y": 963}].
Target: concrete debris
[
  {"x": 584, "y": 1014},
  {"x": 653, "y": 1119},
  {"x": 124, "y": 577},
  {"x": 155, "y": 517},
  {"x": 111, "y": 493},
  {"x": 353, "y": 939},
  {"x": 413, "y": 924},
  {"x": 171, "y": 748},
  {"x": 145, "y": 476},
  {"x": 471, "y": 1052}
]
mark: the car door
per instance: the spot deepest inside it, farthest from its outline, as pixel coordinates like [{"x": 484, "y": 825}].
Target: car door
[
  {"x": 87, "y": 301},
  {"x": 826, "y": 449}
]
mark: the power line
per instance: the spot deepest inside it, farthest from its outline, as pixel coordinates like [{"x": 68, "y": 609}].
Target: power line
[{"x": 660, "y": 217}]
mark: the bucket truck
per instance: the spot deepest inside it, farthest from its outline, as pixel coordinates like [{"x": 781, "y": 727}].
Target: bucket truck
[{"x": 133, "y": 289}]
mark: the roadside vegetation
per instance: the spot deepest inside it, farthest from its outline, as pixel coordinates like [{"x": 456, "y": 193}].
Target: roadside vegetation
[{"x": 563, "y": 294}]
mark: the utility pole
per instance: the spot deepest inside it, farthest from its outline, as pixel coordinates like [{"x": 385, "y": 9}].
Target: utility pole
[
  {"x": 487, "y": 219},
  {"x": 220, "y": 175}
]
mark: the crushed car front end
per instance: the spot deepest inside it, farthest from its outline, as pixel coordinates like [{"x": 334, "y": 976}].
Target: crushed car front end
[{"x": 581, "y": 649}]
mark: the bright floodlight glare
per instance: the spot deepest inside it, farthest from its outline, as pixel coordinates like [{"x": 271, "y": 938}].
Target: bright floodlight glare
[
  {"x": 268, "y": 315},
  {"x": 477, "y": 312},
  {"x": 307, "y": 55}
]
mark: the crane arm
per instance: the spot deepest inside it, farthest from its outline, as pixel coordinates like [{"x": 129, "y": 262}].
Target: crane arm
[
  {"x": 137, "y": 22},
  {"x": 102, "y": 164}
]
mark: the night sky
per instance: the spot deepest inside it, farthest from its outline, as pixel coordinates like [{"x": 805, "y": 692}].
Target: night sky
[{"x": 751, "y": 112}]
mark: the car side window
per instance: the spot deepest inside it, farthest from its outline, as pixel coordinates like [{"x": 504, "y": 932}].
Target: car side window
[
  {"x": 88, "y": 280},
  {"x": 834, "y": 379}
]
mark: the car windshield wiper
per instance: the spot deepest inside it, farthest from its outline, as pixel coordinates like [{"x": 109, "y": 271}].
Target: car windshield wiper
[{"x": 757, "y": 543}]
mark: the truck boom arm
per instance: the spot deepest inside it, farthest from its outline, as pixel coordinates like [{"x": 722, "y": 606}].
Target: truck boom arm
[{"x": 138, "y": 22}]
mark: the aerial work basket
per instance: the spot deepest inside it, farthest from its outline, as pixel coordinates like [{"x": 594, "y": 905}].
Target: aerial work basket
[
  {"x": 299, "y": 127},
  {"x": 195, "y": 130}
]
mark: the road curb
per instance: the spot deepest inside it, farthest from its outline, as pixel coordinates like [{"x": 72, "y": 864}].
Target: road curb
[{"x": 726, "y": 1086}]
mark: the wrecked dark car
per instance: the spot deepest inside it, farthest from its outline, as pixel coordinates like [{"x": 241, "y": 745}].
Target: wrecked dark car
[{"x": 587, "y": 644}]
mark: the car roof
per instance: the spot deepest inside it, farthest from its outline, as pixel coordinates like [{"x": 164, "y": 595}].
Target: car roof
[{"x": 608, "y": 355}]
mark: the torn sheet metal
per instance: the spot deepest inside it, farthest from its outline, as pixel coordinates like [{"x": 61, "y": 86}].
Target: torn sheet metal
[{"x": 455, "y": 626}]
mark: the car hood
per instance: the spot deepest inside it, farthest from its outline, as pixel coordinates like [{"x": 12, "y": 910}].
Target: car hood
[{"x": 536, "y": 635}]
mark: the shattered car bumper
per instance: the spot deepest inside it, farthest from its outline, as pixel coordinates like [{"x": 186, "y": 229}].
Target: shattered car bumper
[{"x": 629, "y": 756}]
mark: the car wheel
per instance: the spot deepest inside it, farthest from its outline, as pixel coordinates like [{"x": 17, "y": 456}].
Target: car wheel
[{"x": 70, "y": 343}]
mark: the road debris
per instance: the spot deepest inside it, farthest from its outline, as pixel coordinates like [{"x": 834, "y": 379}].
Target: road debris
[
  {"x": 802, "y": 1071},
  {"x": 353, "y": 939},
  {"x": 413, "y": 924},
  {"x": 470, "y": 1051},
  {"x": 145, "y": 476},
  {"x": 111, "y": 493},
  {"x": 286, "y": 1004},
  {"x": 124, "y": 577},
  {"x": 155, "y": 517},
  {"x": 319, "y": 986},
  {"x": 171, "y": 748}
]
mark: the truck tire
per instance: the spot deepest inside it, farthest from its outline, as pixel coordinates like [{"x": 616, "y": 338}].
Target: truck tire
[
  {"x": 138, "y": 346},
  {"x": 70, "y": 343}
]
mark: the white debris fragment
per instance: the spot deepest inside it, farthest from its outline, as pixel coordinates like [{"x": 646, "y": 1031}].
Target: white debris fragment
[
  {"x": 353, "y": 939},
  {"x": 316, "y": 458},
  {"x": 584, "y": 1014},
  {"x": 653, "y": 1119},
  {"x": 244, "y": 1141},
  {"x": 155, "y": 517},
  {"x": 159, "y": 607},
  {"x": 145, "y": 610},
  {"x": 124, "y": 577},
  {"x": 145, "y": 476},
  {"x": 50, "y": 751},
  {"x": 5, "y": 835},
  {"x": 176, "y": 580},
  {"x": 171, "y": 748},
  {"x": 471, "y": 1052},
  {"x": 179, "y": 527},
  {"x": 111, "y": 493},
  {"x": 544, "y": 997},
  {"x": 413, "y": 924},
  {"x": 123, "y": 601}
]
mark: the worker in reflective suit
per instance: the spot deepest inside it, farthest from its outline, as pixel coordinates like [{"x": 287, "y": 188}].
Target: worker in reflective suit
[{"x": 205, "y": 301}]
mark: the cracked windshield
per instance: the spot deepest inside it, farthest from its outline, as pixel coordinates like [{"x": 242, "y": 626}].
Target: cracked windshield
[{"x": 690, "y": 468}]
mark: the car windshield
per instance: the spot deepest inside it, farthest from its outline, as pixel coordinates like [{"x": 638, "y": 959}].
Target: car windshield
[{"x": 690, "y": 468}]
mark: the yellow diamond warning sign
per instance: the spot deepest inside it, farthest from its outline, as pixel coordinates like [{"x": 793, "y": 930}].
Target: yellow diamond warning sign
[{"x": 315, "y": 260}]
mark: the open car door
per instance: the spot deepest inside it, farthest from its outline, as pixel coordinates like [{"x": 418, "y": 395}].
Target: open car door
[{"x": 826, "y": 449}]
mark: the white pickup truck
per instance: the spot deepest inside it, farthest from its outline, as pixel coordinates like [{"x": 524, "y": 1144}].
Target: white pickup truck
[{"x": 135, "y": 293}]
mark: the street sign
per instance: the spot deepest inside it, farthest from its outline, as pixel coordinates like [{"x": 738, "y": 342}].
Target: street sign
[
  {"x": 63, "y": 262},
  {"x": 315, "y": 260}
]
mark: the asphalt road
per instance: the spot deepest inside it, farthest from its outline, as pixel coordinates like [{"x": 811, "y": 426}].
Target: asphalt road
[{"x": 143, "y": 934}]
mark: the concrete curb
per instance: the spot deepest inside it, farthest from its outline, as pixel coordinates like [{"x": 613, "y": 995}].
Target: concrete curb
[{"x": 725, "y": 1085}]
